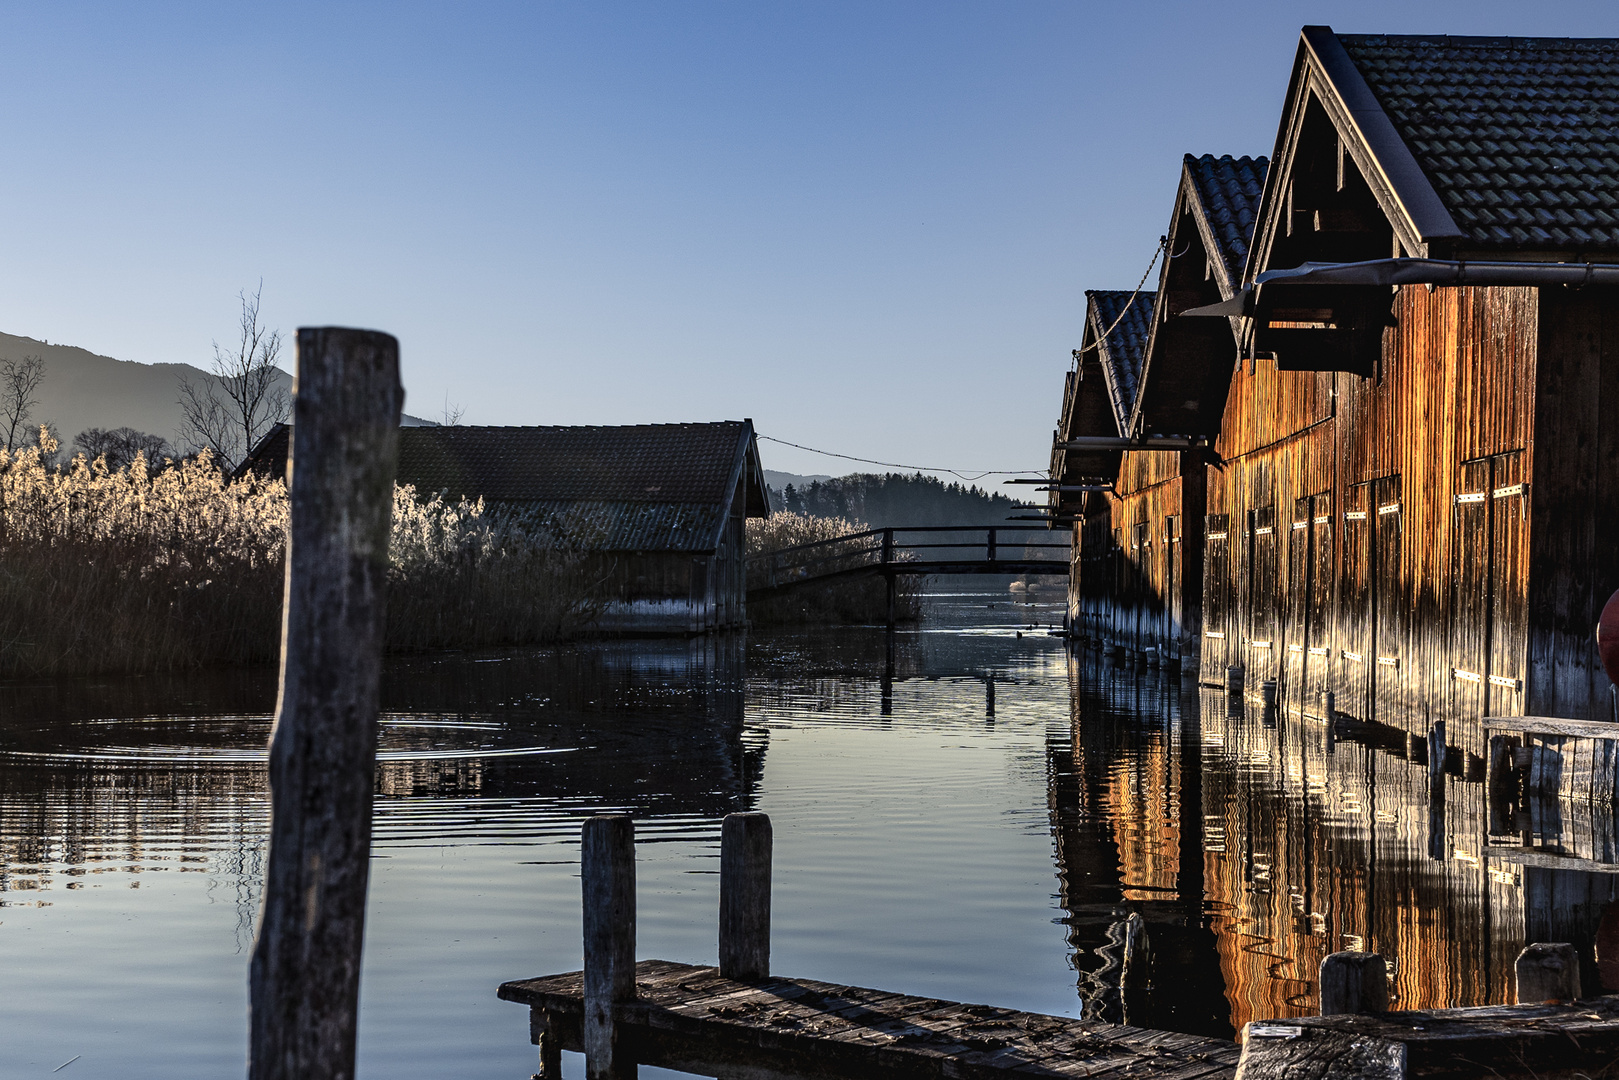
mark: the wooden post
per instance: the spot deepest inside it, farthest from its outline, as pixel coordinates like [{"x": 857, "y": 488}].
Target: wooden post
[
  {"x": 892, "y": 584},
  {"x": 992, "y": 545},
  {"x": 607, "y": 866},
  {"x": 304, "y": 981},
  {"x": 989, "y": 696},
  {"x": 543, "y": 1035},
  {"x": 1267, "y": 693},
  {"x": 745, "y": 843},
  {"x": 1233, "y": 680},
  {"x": 1354, "y": 982},
  {"x": 1437, "y": 751},
  {"x": 1547, "y": 971}
]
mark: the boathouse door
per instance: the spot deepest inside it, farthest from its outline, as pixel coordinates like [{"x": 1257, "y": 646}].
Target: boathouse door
[
  {"x": 1217, "y": 655},
  {"x": 1309, "y": 602},
  {"x": 1356, "y": 615},
  {"x": 1488, "y": 611},
  {"x": 1261, "y": 663},
  {"x": 1388, "y": 602}
]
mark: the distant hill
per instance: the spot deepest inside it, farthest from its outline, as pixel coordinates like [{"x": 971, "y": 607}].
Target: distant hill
[
  {"x": 83, "y": 390},
  {"x": 887, "y": 499},
  {"x": 779, "y": 480}
]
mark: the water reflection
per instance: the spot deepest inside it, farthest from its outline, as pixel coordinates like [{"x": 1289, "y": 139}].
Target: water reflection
[{"x": 967, "y": 811}]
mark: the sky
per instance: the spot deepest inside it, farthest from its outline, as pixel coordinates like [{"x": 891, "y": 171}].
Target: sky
[{"x": 867, "y": 226}]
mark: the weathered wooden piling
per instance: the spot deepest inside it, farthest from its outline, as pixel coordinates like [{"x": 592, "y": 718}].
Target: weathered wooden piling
[
  {"x": 1354, "y": 982},
  {"x": 304, "y": 980},
  {"x": 607, "y": 867},
  {"x": 745, "y": 860},
  {"x": 1547, "y": 971}
]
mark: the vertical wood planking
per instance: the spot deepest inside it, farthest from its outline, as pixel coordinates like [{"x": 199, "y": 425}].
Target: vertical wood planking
[{"x": 607, "y": 872}]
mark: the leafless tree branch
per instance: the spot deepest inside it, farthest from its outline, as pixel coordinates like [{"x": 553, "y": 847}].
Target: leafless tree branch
[
  {"x": 230, "y": 413},
  {"x": 19, "y": 382}
]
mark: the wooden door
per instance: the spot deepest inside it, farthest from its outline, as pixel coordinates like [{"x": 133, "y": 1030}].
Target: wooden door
[
  {"x": 1172, "y": 586},
  {"x": 1300, "y": 568},
  {"x": 1318, "y": 608},
  {"x": 1262, "y": 593},
  {"x": 1389, "y": 603},
  {"x": 1470, "y": 591},
  {"x": 1355, "y": 658},
  {"x": 1216, "y": 596},
  {"x": 1509, "y": 602}
]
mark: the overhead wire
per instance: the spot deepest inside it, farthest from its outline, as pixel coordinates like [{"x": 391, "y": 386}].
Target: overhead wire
[
  {"x": 1161, "y": 249},
  {"x": 909, "y": 468}
]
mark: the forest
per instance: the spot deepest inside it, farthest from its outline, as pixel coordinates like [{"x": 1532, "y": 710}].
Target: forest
[{"x": 878, "y": 501}]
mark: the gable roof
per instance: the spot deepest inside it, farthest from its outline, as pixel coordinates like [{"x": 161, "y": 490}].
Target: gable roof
[
  {"x": 658, "y": 487},
  {"x": 1187, "y": 362},
  {"x": 1518, "y": 136},
  {"x": 1224, "y": 196},
  {"x": 1468, "y": 146},
  {"x": 1118, "y": 322}
]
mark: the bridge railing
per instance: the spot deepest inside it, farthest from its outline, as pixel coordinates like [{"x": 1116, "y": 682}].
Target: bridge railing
[{"x": 989, "y": 548}]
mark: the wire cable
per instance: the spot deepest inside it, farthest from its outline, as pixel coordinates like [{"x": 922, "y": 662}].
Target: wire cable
[
  {"x": 1161, "y": 249},
  {"x": 909, "y": 468}
]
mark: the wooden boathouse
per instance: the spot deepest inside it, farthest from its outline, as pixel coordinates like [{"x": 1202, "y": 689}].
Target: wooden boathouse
[
  {"x": 660, "y": 506},
  {"x": 1395, "y": 413}
]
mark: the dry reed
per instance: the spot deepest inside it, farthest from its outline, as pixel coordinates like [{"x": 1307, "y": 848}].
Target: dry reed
[{"x": 860, "y": 600}]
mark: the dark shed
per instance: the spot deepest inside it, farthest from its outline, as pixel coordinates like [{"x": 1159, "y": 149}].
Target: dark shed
[{"x": 663, "y": 505}]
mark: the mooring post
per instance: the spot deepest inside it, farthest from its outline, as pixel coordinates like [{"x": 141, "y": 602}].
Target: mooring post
[
  {"x": 745, "y": 843},
  {"x": 607, "y": 866},
  {"x": 1233, "y": 680},
  {"x": 1547, "y": 971},
  {"x": 1354, "y": 982},
  {"x": 304, "y": 980}
]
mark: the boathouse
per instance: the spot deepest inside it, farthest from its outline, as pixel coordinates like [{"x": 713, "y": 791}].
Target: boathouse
[
  {"x": 1410, "y": 495},
  {"x": 660, "y": 506}
]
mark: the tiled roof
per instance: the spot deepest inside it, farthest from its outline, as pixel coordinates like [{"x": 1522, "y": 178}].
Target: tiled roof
[
  {"x": 1125, "y": 345},
  {"x": 1519, "y": 136},
  {"x": 656, "y": 487},
  {"x": 1229, "y": 189}
]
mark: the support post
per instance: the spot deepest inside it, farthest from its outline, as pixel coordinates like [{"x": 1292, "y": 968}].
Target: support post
[
  {"x": 991, "y": 545},
  {"x": 543, "y": 1035},
  {"x": 892, "y": 585},
  {"x": 1354, "y": 982},
  {"x": 607, "y": 865},
  {"x": 745, "y": 855},
  {"x": 1137, "y": 968},
  {"x": 1233, "y": 680},
  {"x": 989, "y": 696},
  {"x": 1547, "y": 971},
  {"x": 304, "y": 980}
]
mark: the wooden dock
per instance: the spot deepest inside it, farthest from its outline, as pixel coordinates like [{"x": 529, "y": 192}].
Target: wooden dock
[
  {"x": 739, "y": 1022},
  {"x": 694, "y": 1019}
]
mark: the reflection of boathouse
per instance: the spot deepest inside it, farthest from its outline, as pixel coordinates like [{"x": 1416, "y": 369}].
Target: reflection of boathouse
[
  {"x": 661, "y": 506},
  {"x": 1386, "y": 477}
]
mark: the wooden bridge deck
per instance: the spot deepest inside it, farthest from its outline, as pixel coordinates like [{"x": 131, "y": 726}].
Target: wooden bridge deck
[{"x": 692, "y": 1019}]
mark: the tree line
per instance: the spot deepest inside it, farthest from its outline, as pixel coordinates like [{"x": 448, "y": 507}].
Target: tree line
[{"x": 881, "y": 500}]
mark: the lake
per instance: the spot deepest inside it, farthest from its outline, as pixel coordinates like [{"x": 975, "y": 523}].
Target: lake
[{"x": 973, "y": 822}]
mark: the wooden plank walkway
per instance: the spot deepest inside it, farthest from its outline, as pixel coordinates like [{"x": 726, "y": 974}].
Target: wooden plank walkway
[{"x": 692, "y": 1019}]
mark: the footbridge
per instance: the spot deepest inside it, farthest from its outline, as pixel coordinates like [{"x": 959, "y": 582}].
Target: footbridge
[{"x": 923, "y": 549}]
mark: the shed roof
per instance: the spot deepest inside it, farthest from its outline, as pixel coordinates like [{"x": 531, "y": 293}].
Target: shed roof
[
  {"x": 652, "y": 487},
  {"x": 1518, "y": 136}
]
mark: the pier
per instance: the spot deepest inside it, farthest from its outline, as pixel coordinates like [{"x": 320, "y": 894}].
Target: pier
[{"x": 737, "y": 1020}]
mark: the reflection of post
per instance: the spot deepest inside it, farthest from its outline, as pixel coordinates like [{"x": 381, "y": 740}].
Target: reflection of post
[
  {"x": 989, "y": 696},
  {"x": 1547, "y": 971},
  {"x": 1354, "y": 982},
  {"x": 888, "y": 678},
  {"x": 305, "y": 977},
  {"x": 607, "y": 867}
]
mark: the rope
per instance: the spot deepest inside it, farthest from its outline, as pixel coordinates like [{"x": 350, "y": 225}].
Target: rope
[
  {"x": 1163, "y": 244},
  {"x": 908, "y": 468}
]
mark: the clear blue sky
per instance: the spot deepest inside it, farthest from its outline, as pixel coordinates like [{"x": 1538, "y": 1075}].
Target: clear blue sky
[{"x": 866, "y": 225}]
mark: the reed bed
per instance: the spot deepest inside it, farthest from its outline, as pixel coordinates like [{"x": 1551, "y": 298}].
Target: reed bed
[
  {"x": 858, "y": 601},
  {"x": 146, "y": 568}
]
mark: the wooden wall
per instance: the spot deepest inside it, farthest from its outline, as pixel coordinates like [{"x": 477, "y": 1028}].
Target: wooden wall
[{"x": 1138, "y": 566}]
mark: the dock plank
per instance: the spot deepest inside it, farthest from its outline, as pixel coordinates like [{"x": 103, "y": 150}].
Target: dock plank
[{"x": 690, "y": 1017}]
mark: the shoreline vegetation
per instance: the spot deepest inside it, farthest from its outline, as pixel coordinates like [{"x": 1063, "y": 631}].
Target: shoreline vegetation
[
  {"x": 137, "y": 568},
  {"x": 859, "y": 601}
]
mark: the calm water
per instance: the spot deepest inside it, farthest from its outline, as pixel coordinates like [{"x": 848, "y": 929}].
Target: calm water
[{"x": 975, "y": 826}]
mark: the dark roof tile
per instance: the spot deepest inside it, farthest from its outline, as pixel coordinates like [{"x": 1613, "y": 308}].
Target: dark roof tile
[
  {"x": 1507, "y": 129},
  {"x": 1230, "y": 189},
  {"x": 1126, "y": 326}
]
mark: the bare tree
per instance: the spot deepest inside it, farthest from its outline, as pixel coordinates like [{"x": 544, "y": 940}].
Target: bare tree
[
  {"x": 231, "y": 412},
  {"x": 120, "y": 446},
  {"x": 452, "y": 414},
  {"x": 19, "y": 382}
]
